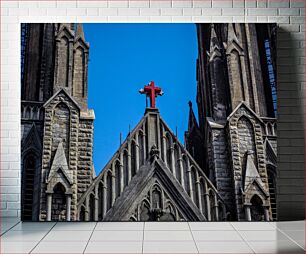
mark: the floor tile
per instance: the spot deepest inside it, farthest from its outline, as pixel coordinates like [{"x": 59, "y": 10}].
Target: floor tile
[
  {"x": 296, "y": 235},
  {"x": 68, "y": 226},
  {"x": 216, "y": 236},
  {"x": 23, "y": 236},
  {"x": 69, "y": 236},
  {"x": 120, "y": 226},
  {"x": 60, "y": 247},
  {"x": 275, "y": 247},
  {"x": 7, "y": 225},
  {"x": 223, "y": 247},
  {"x": 169, "y": 247},
  {"x": 17, "y": 247},
  {"x": 253, "y": 225},
  {"x": 166, "y": 226},
  {"x": 114, "y": 247},
  {"x": 33, "y": 226},
  {"x": 107, "y": 236},
  {"x": 210, "y": 226},
  {"x": 291, "y": 225},
  {"x": 263, "y": 235},
  {"x": 167, "y": 236}
]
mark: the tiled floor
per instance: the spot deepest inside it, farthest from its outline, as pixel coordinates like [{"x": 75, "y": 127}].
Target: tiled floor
[{"x": 151, "y": 237}]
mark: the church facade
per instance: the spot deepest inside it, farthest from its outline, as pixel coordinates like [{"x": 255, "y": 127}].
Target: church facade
[{"x": 225, "y": 171}]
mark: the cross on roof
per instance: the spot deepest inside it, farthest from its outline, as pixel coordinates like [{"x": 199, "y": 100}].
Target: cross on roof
[{"x": 151, "y": 91}]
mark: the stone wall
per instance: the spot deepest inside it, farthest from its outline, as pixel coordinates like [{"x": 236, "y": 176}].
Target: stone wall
[{"x": 236, "y": 134}]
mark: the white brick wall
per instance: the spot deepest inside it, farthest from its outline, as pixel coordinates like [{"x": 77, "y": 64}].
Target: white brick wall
[{"x": 291, "y": 65}]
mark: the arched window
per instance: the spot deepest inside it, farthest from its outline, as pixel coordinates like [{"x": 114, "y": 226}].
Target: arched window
[
  {"x": 58, "y": 211},
  {"x": 177, "y": 163},
  {"x": 186, "y": 176},
  {"x": 28, "y": 175},
  {"x": 117, "y": 175},
  {"x": 82, "y": 213},
  {"x": 109, "y": 190},
  {"x": 63, "y": 53},
  {"x": 194, "y": 187},
  {"x": 141, "y": 149},
  {"x": 168, "y": 150},
  {"x": 156, "y": 198},
  {"x": 144, "y": 211},
  {"x": 125, "y": 168},
  {"x": 246, "y": 140},
  {"x": 92, "y": 207},
  {"x": 257, "y": 211},
  {"x": 212, "y": 205},
  {"x": 203, "y": 192},
  {"x": 272, "y": 190},
  {"x": 100, "y": 195},
  {"x": 133, "y": 158}
]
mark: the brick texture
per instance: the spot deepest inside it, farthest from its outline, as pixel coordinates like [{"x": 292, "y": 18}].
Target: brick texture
[{"x": 290, "y": 14}]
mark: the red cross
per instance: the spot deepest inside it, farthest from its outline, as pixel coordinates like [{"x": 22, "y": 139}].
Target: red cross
[{"x": 151, "y": 91}]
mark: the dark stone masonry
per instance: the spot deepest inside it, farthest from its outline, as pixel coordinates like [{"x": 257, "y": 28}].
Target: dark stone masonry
[{"x": 225, "y": 171}]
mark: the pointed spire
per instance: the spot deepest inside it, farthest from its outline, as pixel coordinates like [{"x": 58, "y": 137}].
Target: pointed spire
[
  {"x": 80, "y": 31},
  {"x": 251, "y": 172},
  {"x": 192, "y": 121},
  {"x": 214, "y": 44},
  {"x": 59, "y": 161},
  {"x": 231, "y": 34},
  {"x": 213, "y": 39}
]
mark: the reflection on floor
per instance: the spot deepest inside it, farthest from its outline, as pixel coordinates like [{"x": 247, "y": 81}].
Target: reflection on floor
[{"x": 152, "y": 237}]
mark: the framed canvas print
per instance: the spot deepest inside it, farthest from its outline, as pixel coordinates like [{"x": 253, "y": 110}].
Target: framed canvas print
[{"x": 204, "y": 151}]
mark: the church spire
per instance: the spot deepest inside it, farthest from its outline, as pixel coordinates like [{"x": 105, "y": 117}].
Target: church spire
[
  {"x": 80, "y": 31},
  {"x": 192, "y": 121},
  {"x": 214, "y": 50}
]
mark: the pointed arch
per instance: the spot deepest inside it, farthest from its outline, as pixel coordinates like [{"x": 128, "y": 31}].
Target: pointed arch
[
  {"x": 125, "y": 167},
  {"x": 58, "y": 211},
  {"x": 79, "y": 88},
  {"x": 133, "y": 157},
  {"x": 203, "y": 196},
  {"x": 168, "y": 140},
  {"x": 141, "y": 142},
  {"x": 92, "y": 207},
  {"x": 82, "y": 213},
  {"x": 177, "y": 158},
  {"x": 61, "y": 130},
  {"x": 100, "y": 196},
  {"x": 109, "y": 190},
  {"x": 212, "y": 204},
  {"x": 144, "y": 211},
  {"x": 117, "y": 178},
  {"x": 246, "y": 137},
  {"x": 194, "y": 179},
  {"x": 63, "y": 64},
  {"x": 257, "y": 211},
  {"x": 157, "y": 197},
  {"x": 29, "y": 174},
  {"x": 186, "y": 174}
]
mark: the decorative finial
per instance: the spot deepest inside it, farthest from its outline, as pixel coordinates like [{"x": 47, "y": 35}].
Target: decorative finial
[{"x": 151, "y": 91}]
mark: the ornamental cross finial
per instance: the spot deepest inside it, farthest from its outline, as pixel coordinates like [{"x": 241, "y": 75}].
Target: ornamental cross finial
[{"x": 151, "y": 91}]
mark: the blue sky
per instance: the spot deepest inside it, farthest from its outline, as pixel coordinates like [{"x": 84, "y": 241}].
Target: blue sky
[{"x": 125, "y": 57}]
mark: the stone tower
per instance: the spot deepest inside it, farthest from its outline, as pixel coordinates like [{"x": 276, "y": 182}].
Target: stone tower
[
  {"x": 236, "y": 98},
  {"x": 57, "y": 126}
]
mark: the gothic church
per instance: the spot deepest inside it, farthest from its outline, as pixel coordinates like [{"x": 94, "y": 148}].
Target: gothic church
[{"x": 225, "y": 171}]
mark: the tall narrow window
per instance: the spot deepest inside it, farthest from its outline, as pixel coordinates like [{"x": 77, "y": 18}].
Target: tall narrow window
[{"x": 271, "y": 75}]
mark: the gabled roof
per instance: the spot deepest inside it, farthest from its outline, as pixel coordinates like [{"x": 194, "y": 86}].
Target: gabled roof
[
  {"x": 146, "y": 174},
  {"x": 62, "y": 90},
  {"x": 32, "y": 140},
  {"x": 60, "y": 163},
  {"x": 252, "y": 176},
  {"x": 241, "y": 105}
]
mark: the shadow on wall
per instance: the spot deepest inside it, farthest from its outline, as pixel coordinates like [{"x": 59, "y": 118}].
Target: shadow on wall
[{"x": 290, "y": 128}]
